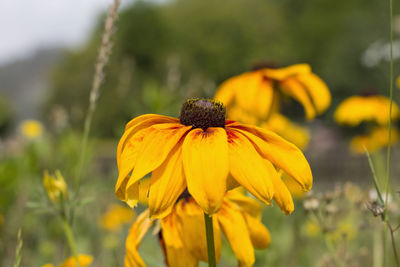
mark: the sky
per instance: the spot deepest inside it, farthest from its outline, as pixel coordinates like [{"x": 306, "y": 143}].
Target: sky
[{"x": 27, "y": 25}]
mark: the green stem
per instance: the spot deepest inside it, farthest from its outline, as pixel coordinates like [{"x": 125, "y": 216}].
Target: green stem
[
  {"x": 71, "y": 240},
  {"x": 390, "y": 127},
  {"x": 210, "y": 241}
]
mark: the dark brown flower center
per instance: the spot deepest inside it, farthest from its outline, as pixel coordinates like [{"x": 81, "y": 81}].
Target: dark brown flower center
[{"x": 203, "y": 113}]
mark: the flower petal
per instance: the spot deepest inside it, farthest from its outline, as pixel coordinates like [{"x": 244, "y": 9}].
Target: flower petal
[
  {"x": 138, "y": 124},
  {"x": 155, "y": 147},
  {"x": 297, "y": 90},
  {"x": 192, "y": 226},
  {"x": 205, "y": 162},
  {"x": 246, "y": 204},
  {"x": 284, "y": 73},
  {"x": 176, "y": 253},
  {"x": 136, "y": 234},
  {"x": 127, "y": 161},
  {"x": 317, "y": 90},
  {"x": 282, "y": 194},
  {"x": 167, "y": 184},
  {"x": 281, "y": 153},
  {"x": 247, "y": 167},
  {"x": 259, "y": 234},
  {"x": 235, "y": 229}
]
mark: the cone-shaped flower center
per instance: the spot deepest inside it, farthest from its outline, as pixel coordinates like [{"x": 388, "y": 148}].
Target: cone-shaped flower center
[{"x": 203, "y": 113}]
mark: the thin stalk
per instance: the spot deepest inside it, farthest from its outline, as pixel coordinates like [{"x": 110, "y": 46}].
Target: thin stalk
[
  {"x": 71, "y": 240},
  {"x": 98, "y": 78},
  {"x": 18, "y": 253},
  {"x": 396, "y": 256},
  {"x": 390, "y": 127},
  {"x": 210, "y": 241},
  {"x": 371, "y": 165}
]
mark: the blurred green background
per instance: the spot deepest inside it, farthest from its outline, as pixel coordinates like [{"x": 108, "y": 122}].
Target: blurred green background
[{"x": 163, "y": 53}]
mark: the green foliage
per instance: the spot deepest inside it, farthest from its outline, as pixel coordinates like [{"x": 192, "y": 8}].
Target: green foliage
[{"x": 198, "y": 44}]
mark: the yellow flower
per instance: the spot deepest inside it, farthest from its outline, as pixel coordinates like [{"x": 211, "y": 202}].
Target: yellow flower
[
  {"x": 197, "y": 152},
  {"x": 55, "y": 186},
  {"x": 357, "y": 109},
  {"x": 84, "y": 260},
  {"x": 182, "y": 234},
  {"x": 115, "y": 217},
  {"x": 259, "y": 92},
  {"x": 31, "y": 129},
  {"x": 290, "y": 131},
  {"x": 375, "y": 140}
]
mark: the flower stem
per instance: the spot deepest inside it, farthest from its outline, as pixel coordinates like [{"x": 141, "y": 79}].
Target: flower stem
[
  {"x": 390, "y": 126},
  {"x": 71, "y": 240},
  {"x": 210, "y": 240}
]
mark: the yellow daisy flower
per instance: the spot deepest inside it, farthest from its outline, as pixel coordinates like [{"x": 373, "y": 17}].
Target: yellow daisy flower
[
  {"x": 197, "y": 152},
  {"x": 55, "y": 186},
  {"x": 259, "y": 92},
  {"x": 84, "y": 260},
  {"x": 184, "y": 245},
  {"x": 115, "y": 217},
  {"x": 357, "y": 109},
  {"x": 31, "y": 129},
  {"x": 375, "y": 140}
]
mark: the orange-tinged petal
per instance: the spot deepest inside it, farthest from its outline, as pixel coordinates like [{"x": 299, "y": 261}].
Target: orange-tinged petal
[
  {"x": 127, "y": 161},
  {"x": 247, "y": 167},
  {"x": 205, "y": 162},
  {"x": 156, "y": 119},
  {"x": 227, "y": 90},
  {"x": 264, "y": 99},
  {"x": 192, "y": 226},
  {"x": 235, "y": 229},
  {"x": 138, "y": 124},
  {"x": 248, "y": 90},
  {"x": 247, "y": 205},
  {"x": 177, "y": 255},
  {"x": 297, "y": 90},
  {"x": 282, "y": 194},
  {"x": 284, "y": 73},
  {"x": 259, "y": 234},
  {"x": 138, "y": 192},
  {"x": 317, "y": 90},
  {"x": 136, "y": 234},
  {"x": 280, "y": 152},
  {"x": 156, "y": 146},
  {"x": 167, "y": 184}
]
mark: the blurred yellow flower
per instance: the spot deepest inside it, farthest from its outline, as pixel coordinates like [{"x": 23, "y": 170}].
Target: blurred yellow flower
[
  {"x": 197, "y": 152},
  {"x": 357, "y": 109},
  {"x": 182, "y": 234},
  {"x": 259, "y": 92},
  {"x": 344, "y": 231},
  {"x": 375, "y": 140},
  {"x": 84, "y": 260},
  {"x": 115, "y": 217},
  {"x": 55, "y": 186},
  {"x": 31, "y": 129},
  {"x": 288, "y": 130},
  {"x": 312, "y": 228}
]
